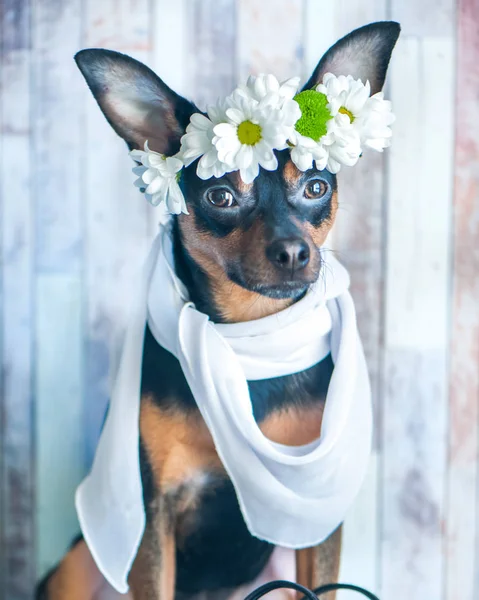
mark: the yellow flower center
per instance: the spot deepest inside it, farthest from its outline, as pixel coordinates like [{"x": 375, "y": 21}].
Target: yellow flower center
[
  {"x": 343, "y": 110},
  {"x": 249, "y": 133}
]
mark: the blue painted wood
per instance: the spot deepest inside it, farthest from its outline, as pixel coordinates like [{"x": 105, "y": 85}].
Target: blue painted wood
[
  {"x": 16, "y": 327},
  {"x": 57, "y": 120},
  {"x": 58, "y": 285},
  {"x": 59, "y": 436}
]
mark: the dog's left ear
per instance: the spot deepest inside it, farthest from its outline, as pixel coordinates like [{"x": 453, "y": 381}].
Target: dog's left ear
[
  {"x": 364, "y": 53},
  {"x": 136, "y": 102}
]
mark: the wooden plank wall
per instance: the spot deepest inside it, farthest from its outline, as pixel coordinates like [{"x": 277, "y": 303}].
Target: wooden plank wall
[{"x": 74, "y": 231}]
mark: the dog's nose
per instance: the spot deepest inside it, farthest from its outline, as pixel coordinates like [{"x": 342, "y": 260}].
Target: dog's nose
[{"x": 291, "y": 254}]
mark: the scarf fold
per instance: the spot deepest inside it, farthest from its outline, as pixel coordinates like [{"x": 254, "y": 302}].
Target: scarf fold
[{"x": 289, "y": 496}]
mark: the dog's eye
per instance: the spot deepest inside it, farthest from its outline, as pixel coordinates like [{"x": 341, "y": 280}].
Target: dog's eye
[
  {"x": 221, "y": 198},
  {"x": 315, "y": 189}
]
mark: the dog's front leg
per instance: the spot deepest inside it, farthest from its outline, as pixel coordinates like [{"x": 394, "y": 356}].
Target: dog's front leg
[
  {"x": 320, "y": 565},
  {"x": 152, "y": 576}
]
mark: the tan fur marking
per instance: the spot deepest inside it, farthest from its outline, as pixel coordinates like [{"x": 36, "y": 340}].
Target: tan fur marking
[
  {"x": 294, "y": 426},
  {"x": 291, "y": 173},
  {"x": 178, "y": 445},
  {"x": 234, "y": 302},
  {"x": 240, "y": 185},
  {"x": 319, "y": 234},
  {"x": 320, "y": 565},
  {"x": 153, "y": 573},
  {"x": 237, "y": 304},
  {"x": 78, "y": 578}
]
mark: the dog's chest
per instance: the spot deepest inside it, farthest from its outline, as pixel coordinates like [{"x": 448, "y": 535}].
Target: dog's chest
[
  {"x": 181, "y": 469},
  {"x": 175, "y": 440}
]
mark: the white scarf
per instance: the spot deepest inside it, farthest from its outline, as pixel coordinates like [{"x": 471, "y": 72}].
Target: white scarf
[{"x": 289, "y": 496}]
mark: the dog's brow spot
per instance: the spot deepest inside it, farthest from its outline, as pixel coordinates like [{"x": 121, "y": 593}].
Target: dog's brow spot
[
  {"x": 291, "y": 173},
  {"x": 241, "y": 186}
]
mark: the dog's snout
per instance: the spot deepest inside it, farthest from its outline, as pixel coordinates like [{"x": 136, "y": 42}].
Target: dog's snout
[{"x": 292, "y": 254}]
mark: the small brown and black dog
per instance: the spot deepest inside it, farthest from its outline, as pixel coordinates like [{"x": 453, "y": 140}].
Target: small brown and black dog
[{"x": 243, "y": 252}]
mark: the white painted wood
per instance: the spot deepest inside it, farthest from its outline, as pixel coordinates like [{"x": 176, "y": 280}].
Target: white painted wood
[
  {"x": 59, "y": 411},
  {"x": 212, "y": 37},
  {"x": 17, "y": 505},
  {"x": 360, "y": 537},
  {"x": 417, "y": 316},
  {"x": 56, "y": 114},
  {"x": 425, "y": 18},
  {"x": 116, "y": 214},
  {"x": 319, "y": 32},
  {"x": 269, "y": 38},
  {"x": 170, "y": 55}
]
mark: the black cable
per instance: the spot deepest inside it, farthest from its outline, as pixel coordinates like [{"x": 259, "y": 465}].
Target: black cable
[
  {"x": 331, "y": 587},
  {"x": 274, "y": 585},
  {"x": 308, "y": 594}
]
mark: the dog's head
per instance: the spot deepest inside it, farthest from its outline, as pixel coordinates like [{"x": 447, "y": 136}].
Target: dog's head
[{"x": 246, "y": 250}]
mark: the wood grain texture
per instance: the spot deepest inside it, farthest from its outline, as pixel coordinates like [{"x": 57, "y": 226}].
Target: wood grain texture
[
  {"x": 359, "y": 554},
  {"x": 57, "y": 134},
  {"x": 56, "y": 114},
  {"x": 116, "y": 215},
  {"x": 58, "y": 414},
  {"x": 269, "y": 38},
  {"x": 462, "y": 554},
  {"x": 212, "y": 37},
  {"x": 16, "y": 329},
  {"x": 319, "y": 32},
  {"x": 170, "y": 56},
  {"x": 425, "y": 18},
  {"x": 416, "y": 326},
  {"x": 73, "y": 233}
]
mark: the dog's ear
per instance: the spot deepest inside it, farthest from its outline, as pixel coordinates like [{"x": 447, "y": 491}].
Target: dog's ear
[
  {"x": 364, "y": 53},
  {"x": 135, "y": 101}
]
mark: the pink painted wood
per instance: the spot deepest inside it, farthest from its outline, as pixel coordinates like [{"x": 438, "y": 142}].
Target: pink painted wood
[{"x": 462, "y": 507}]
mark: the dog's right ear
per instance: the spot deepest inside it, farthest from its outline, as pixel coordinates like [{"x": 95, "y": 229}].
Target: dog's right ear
[{"x": 135, "y": 101}]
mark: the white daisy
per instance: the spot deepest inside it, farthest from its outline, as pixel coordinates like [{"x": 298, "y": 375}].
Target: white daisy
[
  {"x": 346, "y": 96},
  {"x": 158, "y": 178},
  {"x": 344, "y": 149},
  {"x": 262, "y": 86},
  {"x": 374, "y": 123},
  {"x": 253, "y": 130},
  {"x": 197, "y": 141},
  {"x": 355, "y": 110},
  {"x": 341, "y": 118}
]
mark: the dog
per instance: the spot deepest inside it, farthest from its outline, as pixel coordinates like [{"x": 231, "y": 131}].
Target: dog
[{"x": 243, "y": 252}]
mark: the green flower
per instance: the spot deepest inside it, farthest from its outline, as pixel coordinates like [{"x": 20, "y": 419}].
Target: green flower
[{"x": 314, "y": 114}]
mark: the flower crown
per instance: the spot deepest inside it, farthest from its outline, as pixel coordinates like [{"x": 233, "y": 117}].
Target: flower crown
[{"x": 328, "y": 126}]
